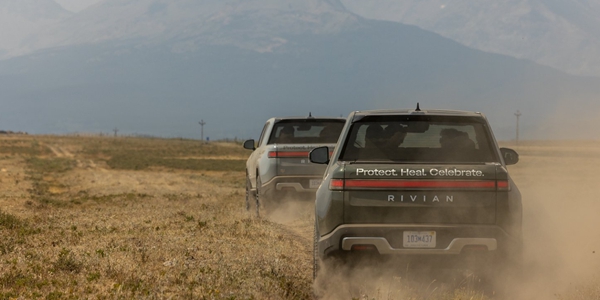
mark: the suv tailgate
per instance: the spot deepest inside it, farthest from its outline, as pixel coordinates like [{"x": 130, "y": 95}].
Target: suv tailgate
[{"x": 420, "y": 194}]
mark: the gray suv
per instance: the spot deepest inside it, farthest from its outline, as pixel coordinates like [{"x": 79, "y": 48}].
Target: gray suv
[
  {"x": 279, "y": 168},
  {"x": 418, "y": 184}
]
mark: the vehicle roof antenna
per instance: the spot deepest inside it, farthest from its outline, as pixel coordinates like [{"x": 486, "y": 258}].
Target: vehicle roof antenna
[
  {"x": 309, "y": 114},
  {"x": 418, "y": 108}
]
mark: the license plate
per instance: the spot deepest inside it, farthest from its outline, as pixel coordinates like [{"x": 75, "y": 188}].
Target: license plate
[
  {"x": 314, "y": 183},
  {"x": 419, "y": 239}
]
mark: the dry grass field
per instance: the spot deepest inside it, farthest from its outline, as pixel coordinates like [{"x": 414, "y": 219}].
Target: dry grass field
[{"x": 141, "y": 218}]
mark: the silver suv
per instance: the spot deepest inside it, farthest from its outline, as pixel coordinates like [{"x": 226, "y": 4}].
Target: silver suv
[
  {"x": 417, "y": 184},
  {"x": 279, "y": 166}
]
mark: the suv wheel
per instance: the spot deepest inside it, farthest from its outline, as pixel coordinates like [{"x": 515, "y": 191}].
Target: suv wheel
[
  {"x": 316, "y": 259},
  {"x": 249, "y": 194},
  {"x": 257, "y": 196},
  {"x": 264, "y": 202}
]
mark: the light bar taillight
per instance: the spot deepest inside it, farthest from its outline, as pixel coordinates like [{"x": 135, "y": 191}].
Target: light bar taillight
[
  {"x": 336, "y": 184},
  {"x": 288, "y": 154},
  {"x": 503, "y": 185},
  {"x": 370, "y": 184}
]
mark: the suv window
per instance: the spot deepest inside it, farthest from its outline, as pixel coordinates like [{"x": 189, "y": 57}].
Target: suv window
[
  {"x": 262, "y": 134},
  {"x": 306, "y": 132},
  {"x": 419, "y": 139}
]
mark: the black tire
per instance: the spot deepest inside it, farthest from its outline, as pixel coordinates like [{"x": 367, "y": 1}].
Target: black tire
[
  {"x": 316, "y": 258},
  {"x": 249, "y": 194},
  {"x": 264, "y": 201},
  {"x": 257, "y": 196}
]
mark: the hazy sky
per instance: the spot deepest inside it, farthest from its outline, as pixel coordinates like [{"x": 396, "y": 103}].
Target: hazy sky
[
  {"x": 76, "y": 5},
  {"x": 165, "y": 93}
]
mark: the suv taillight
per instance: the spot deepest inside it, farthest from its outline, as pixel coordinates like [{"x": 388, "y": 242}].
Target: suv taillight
[
  {"x": 288, "y": 154},
  {"x": 336, "y": 184},
  {"x": 370, "y": 184},
  {"x": 503, "y": 185}
]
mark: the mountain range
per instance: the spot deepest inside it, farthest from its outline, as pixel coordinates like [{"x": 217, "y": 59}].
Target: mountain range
[
  {"x": 158, "y": 67},
  {"x": 22, "y": 18},
  {"x": 561, "y": 34}
]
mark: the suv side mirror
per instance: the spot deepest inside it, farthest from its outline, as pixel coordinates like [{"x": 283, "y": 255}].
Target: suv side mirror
[
  {"x": 510, "y": 156},
  {"x": 319, "y": 155},
  {"x": 249, "y": 144}
]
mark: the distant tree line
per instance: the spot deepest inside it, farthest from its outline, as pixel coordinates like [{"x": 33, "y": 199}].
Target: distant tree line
[
  {"x": 12, "y": 132},
  {"x": 147, "y": 136}
]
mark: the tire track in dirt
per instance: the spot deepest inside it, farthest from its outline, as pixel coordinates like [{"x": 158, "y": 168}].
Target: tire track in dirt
[
  {"x": 54, "y": 150},
  {"x": 61, "y": 152},
  {"x": 65, "y": 152}
]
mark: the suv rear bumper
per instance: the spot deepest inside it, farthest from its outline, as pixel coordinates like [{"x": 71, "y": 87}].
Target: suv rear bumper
[
  {"x": 383, "y": 247},
  {"x": 387, "y": 239},
  {"x": 281, "y": 186}
]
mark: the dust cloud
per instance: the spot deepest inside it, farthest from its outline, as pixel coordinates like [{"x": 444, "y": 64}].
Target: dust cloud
[
  {"x": 558, "y": 181},
  {"x": 560, "y": 190},
  {"x": 560, "y": 186},
  {"x": 297, "y": 215},
  {"x": 290, "y": 211}
]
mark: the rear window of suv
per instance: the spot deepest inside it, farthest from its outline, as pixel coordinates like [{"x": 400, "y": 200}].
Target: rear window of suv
[
  {"x": 419, "y": 139},
  {"x": 310, "y": 131}
]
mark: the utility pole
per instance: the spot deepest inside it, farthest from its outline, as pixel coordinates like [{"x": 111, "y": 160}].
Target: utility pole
[
  {"x": 116, "y": 130},
  {"x": 518, "y": 114},
  {"x": 202, "y": 123}
]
